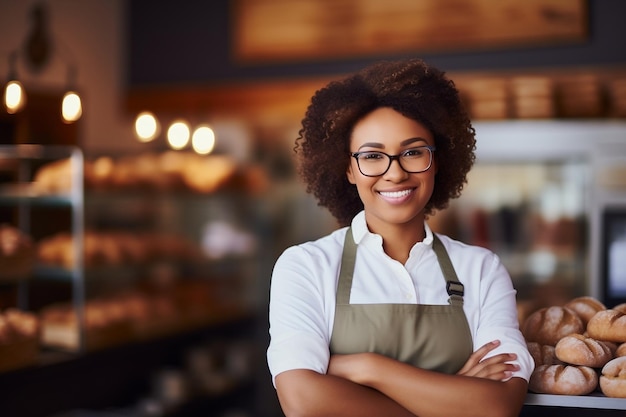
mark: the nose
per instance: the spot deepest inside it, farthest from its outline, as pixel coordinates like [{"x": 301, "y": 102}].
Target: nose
[{"x": 395, "y": 171}]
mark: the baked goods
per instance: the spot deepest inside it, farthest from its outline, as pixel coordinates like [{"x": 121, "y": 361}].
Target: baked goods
[
  {"x": 548, "y": 325},
  {"x": 19, "y": 339},
  {"x": 209, "y": 173},
  {"x": 586, "y": 307},
  {"x": 542, "y": 354},
  {"x": 620, "y": 350},
  {"x": 620, "y": 307},
  {"x": 608, "y": 325},
  {"x": 613, "y": 378},
  {"x": 563, "y": 380},
  {"x": 17, "y": 253},
  {"x": 104, "y": 325},
  {"x": 55, "y": 177},
  {"x": 577, "y": 349},
  {"x": 164, "y": 171},
  {"x": 112, "y": 248}
]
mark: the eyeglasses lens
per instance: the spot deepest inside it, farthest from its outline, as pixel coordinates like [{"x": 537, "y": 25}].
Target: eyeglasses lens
[{"x": 377, "y": 163}]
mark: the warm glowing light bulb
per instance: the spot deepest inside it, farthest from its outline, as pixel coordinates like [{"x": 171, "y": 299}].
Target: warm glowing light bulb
[
  {"x": 14, "y": 97},
  {"x": 178, "y": 134},
  {"x": 71, "y": 107},
  {"x": 203, "y": 140},
  {"x": 146, "y": 127}
]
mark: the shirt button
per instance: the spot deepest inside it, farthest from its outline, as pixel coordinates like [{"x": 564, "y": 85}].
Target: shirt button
[{"x": 408, "y": 296}]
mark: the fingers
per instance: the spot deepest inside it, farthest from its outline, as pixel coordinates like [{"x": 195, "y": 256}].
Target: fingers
[
  {"x": 478, "y": 355},
  {"x": 496, "y": 370},
  {"x": 497, "y": 367}
]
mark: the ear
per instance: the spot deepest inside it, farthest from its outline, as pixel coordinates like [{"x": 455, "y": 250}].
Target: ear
[{"x": 350, "y": 174}]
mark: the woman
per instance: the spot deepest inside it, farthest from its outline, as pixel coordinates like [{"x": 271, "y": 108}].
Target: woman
[{"x": 383, "y": 317}]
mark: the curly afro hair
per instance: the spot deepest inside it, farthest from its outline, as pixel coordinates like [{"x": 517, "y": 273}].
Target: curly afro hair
[{"x": 411, "y": 87}]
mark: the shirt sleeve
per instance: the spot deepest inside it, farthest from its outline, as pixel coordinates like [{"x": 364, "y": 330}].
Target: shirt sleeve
[
  {"x": 498, "y": 316},
  {"x": 299, "y": 334}
]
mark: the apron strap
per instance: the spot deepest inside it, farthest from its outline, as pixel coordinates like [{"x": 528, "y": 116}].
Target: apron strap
[
  {"x": 347, "y": 269},
  {"x": 454, "y": 287}
]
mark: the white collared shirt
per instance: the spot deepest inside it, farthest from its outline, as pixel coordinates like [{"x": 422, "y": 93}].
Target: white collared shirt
[{"x": 304, "y": 282}]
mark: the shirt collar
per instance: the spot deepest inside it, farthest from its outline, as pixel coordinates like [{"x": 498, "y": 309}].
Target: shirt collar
[{"x": 362, "y": 234}]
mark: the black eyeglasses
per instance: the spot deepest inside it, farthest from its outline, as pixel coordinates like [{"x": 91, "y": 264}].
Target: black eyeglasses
[{"x": 376, "y": 163}]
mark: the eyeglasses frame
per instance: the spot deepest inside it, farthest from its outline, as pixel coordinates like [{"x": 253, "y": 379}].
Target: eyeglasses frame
[{"x": 396, "y": 157}]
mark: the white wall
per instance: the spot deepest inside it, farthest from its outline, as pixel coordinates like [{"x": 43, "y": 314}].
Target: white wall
[{"x": 92, "y": 34}]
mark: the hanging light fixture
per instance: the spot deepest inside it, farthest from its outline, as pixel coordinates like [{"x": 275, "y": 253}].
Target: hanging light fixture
[
  {"x": 178, "y": 134},
  {"x": 13, "y": 98},
  {"x": 37, "y": 52},
  {"x": 71, "y": 105},
  {"x": 146, "y": 126}
]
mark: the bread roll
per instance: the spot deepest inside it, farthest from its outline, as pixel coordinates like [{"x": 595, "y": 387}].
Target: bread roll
[
  {"x": 577, "y": 349},
  {"x": 563, "y": 380},
  {"x": 608, "y": 325},
  {"x": 586, "y": 307},
  {"x": 621, "y": 350},
  {"x": 611, "y": 345},
  {"x": 620, "y": 307},
  {"x": 548, "y": 325},
  {"x": 542, "y": 354},
  {"x": 613, "y": 378}
]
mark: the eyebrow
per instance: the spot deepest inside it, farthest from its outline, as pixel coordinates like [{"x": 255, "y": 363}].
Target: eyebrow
[{"x": 403, "y": 143}]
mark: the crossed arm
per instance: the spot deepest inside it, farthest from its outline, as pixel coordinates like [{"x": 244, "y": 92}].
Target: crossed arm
[{"x": 368, "y": 384}]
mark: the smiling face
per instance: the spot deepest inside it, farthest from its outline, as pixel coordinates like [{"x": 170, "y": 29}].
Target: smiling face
[{"x": 396, "y": 198}]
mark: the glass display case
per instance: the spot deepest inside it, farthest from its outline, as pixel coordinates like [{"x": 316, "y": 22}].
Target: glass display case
[
  {"x": 32, "y": 207},
  {"x": 130, "y": 256}
]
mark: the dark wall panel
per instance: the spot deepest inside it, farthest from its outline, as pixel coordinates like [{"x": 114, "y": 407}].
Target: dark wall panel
[{"x": 188, "y": 42}]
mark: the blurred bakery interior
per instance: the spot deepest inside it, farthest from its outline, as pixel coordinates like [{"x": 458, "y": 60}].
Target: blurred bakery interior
[{"x": 139, "y": 222}]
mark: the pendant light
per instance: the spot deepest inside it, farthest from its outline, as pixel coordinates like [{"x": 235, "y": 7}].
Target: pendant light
[{"x": 13, "y": 97}]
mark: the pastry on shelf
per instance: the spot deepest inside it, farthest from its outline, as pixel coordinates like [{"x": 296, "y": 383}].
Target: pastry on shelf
[
  {"x": 105, "y": 325},
  {"x": 17, "y": 254},
  {"x": 19, "y": 339},
  {"x": 54, "y": 177},
  {"x": 115, "y": 248}
]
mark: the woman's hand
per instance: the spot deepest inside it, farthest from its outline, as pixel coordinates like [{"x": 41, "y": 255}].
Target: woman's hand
[{"x": 496, "y": 368}]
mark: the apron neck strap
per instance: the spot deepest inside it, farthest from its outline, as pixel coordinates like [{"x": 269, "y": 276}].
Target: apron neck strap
[
  {"x": 454, "y": 287},
  {"x": 347, "y": 269}
]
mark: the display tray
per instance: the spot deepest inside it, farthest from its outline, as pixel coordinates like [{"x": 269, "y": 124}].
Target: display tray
[
  {"x": 30, "y": 193},
  {"x": 596, "y": 400}
]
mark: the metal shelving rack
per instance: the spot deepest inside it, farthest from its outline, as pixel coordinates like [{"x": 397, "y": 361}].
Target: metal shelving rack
[{"x": 22, "y": 161}]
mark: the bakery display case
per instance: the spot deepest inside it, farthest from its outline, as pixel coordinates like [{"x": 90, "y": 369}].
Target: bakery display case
[
  {"x": 28, "y": 212},
  {"x": 155, "y": 260}
]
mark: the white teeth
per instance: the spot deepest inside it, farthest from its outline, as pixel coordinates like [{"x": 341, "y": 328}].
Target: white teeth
[{"x": 395, "y": 194}]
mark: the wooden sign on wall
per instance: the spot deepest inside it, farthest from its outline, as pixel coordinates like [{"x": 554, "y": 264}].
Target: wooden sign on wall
[{"x": 282, "y": 30}]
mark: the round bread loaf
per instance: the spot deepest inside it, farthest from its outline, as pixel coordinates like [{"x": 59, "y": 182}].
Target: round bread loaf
[
  {"x": 586, "y": 307},
  {"x": 563, "y": 380},
  {"x": 542, "y": 354},
  {"x": 610, "y": 345},
  {"x": 613, "y": 378},
  {"x": 620, "y": 307},
  {"x": 577, "y": 349},
  {"x": 608, "y": 325},
  {"x": 548, "y": 325}
]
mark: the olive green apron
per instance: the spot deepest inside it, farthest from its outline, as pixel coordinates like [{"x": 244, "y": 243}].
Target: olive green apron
[{"x": 433, "y": 337}]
